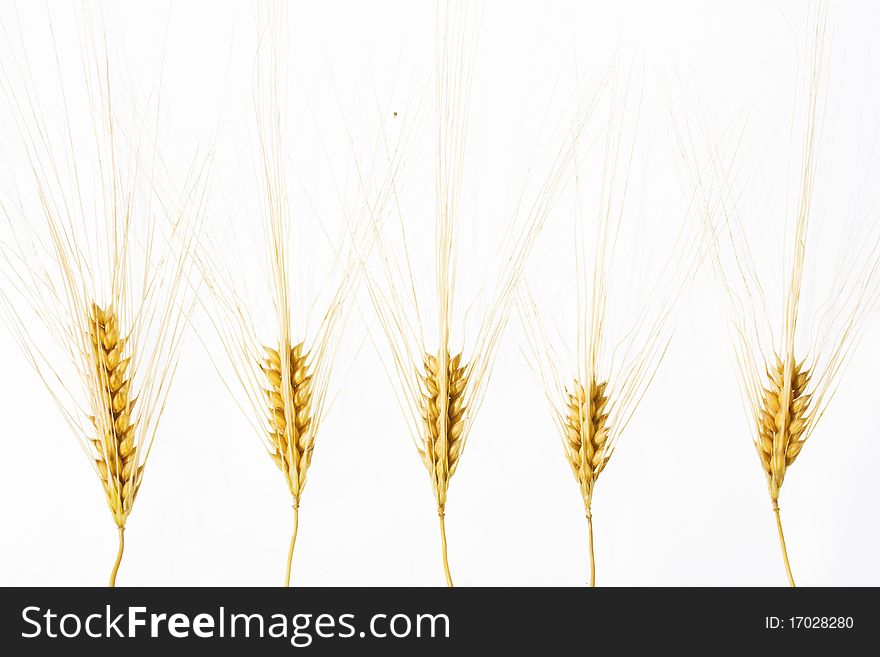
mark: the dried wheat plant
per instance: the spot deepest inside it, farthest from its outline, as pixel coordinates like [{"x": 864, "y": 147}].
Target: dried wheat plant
[
  {"x": 281, "y": 357},
  {"x": 613, "y": 363},
  {"x": 788, "y": 375},
  {"x": 94, "y": 274},
  {"x": 439, "y": 380}
]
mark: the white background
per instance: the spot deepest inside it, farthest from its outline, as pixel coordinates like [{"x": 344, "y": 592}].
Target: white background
[{"x": 683, "y": 501}]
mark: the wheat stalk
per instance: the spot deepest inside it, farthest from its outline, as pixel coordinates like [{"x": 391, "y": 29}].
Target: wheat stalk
[
  {"x": 440, "y": 383},
  {"x": 443, "y": 412},
  {"x": 114, "y": 443},
  {"x": 612, "y": 372},
  {"x": 782, "y": 430},
  {"x": 281, "y": 368},
  {"x": 92, "y": 297},
  {"x": 786, "y": 387}
]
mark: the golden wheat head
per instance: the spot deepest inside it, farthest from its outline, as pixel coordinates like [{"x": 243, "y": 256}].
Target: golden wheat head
[
  {"x": 586, "y": 429},
  {"x": 115, "y": 442},
  {"x": 782, "y": 420},
  {"x": 289, "y": 395},
  {"x": 445, "y": 381}
]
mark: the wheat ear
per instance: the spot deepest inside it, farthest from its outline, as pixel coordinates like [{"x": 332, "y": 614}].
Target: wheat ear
[
  {"x": 782, "y": 429},
  {"x": 114, "y": 444},
  {"x": 586, "y": 431},
  {"x": 445, "y": 381},
  {"x": 289, "y": 395},
  {"x": 289, "y": 398}
]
